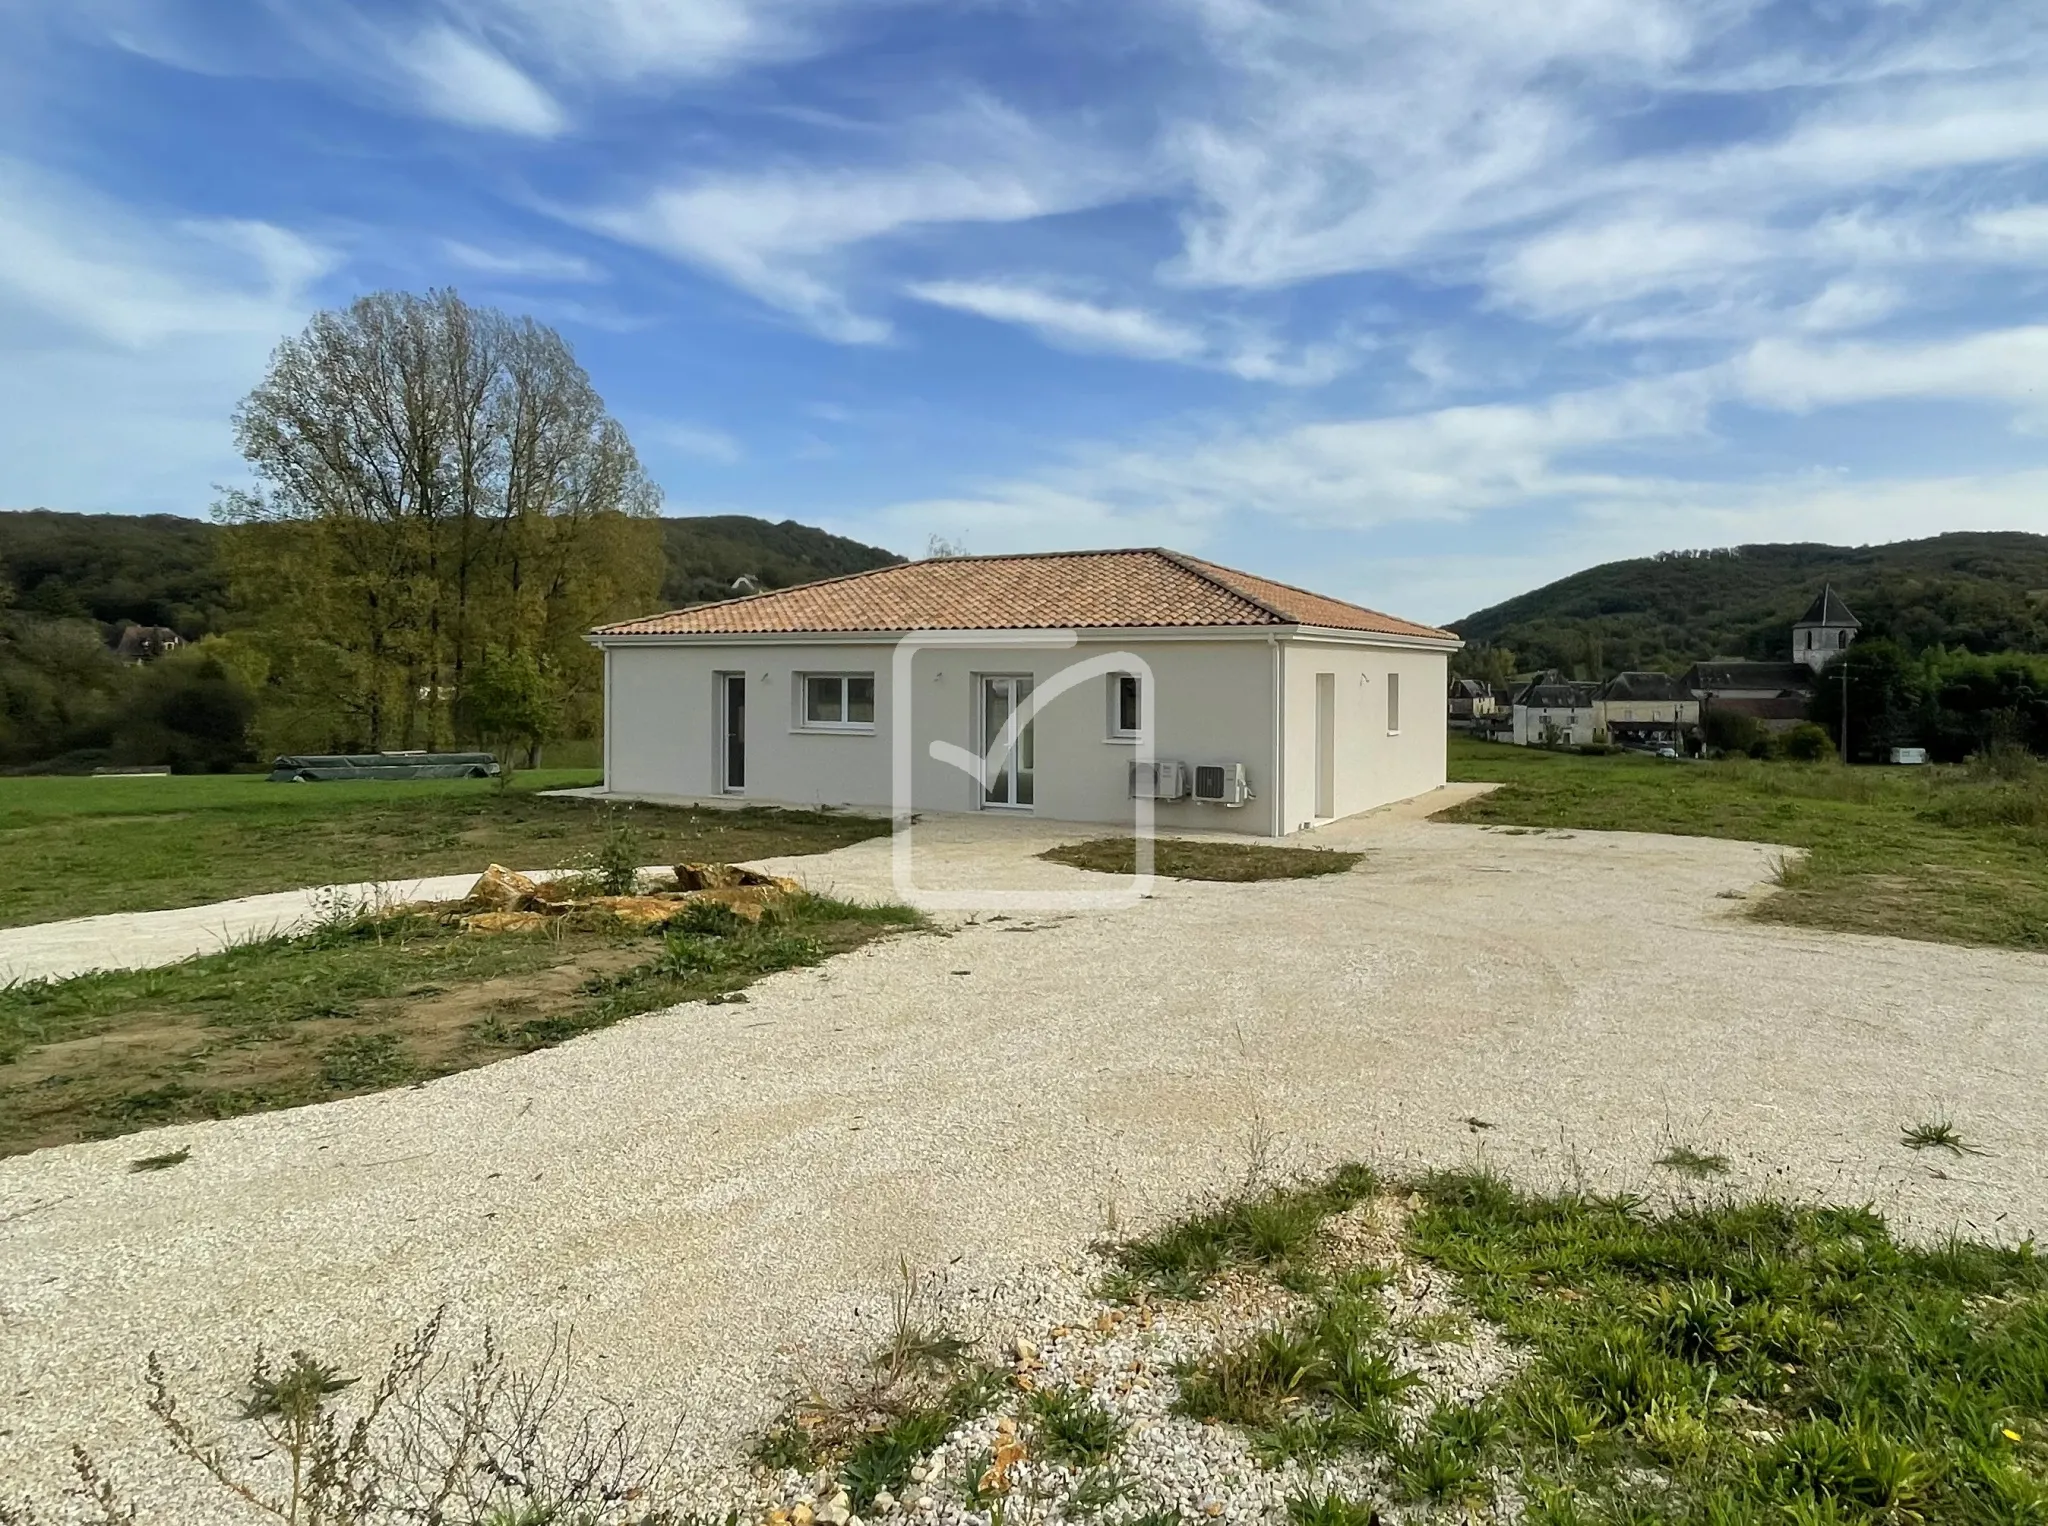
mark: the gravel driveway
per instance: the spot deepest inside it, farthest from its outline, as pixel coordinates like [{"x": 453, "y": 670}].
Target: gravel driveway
[{"x": 716, "y": 1194}]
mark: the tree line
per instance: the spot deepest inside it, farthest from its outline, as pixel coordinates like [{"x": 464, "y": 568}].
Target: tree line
[{"x": 442, "y": 507}]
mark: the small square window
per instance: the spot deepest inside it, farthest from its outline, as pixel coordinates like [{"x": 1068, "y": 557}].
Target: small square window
[
  {"x": 838, "y": 701},
  {"x": 1126, "y": 714}
]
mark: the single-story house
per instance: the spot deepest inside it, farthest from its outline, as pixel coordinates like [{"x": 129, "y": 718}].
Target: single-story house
[{"x": 1065, "y": 684}]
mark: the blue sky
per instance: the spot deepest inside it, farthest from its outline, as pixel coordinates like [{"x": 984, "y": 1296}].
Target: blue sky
[{"x": 1418, "y": 303}]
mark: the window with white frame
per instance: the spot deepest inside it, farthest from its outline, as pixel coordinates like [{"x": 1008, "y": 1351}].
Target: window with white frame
[
  {"x": 836, "y": 701},
  {"x": 1126, "y": 715},
  {"x": 1393, "y": 704}
]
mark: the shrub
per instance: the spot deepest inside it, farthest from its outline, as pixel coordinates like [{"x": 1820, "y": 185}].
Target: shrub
[{"x": 1807, "y": 743}]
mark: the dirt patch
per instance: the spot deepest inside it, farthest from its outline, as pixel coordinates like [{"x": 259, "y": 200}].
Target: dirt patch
[{"x": 444, "y": 1022}]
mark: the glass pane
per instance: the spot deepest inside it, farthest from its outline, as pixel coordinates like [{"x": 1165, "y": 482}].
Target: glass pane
[
  {"x": 822, "y": 700},
  {"x": 1393, "y": 702},
  {"x": 1127, "y": 702},
  {"x": 860, "y": 700},
  {"x": 995, "y": 712},
  {"x": 1023, "y": 757}
]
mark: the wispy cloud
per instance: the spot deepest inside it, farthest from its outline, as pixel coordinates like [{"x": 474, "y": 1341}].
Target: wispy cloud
[
  {"x": 785, "y": 234},
  {"x": 128, "y": 339},
  {"x": 459, "y": 78},
  {"x": 1067, "y": 321},
  {"x": 698, "y": 441},
  {"x": 521, "y": 264},
  {"x": 1072, "y": 323}
]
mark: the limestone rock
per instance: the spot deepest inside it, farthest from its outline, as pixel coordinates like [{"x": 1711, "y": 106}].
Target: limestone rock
[
  {"x": 500, "y": 889},
  {"x": 506, "y": 922}
]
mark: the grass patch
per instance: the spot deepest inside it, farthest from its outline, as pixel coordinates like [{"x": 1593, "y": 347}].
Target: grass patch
[
  {"x": 1177, "y": 859},
  {"x": 1710, "y": 1365},
  {"x": 361, "y": 1006},
  {"x": 1269, "y": 1229},
  {"x": 75, "y": 847},
  {"x": 1689, "y": 1162},
  {"x": 1951, "y": 855},
  {"x": 1070, "y": 1428}
]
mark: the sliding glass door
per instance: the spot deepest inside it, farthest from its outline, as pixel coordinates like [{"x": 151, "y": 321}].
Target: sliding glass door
[{"x": 1006, "y": 783}]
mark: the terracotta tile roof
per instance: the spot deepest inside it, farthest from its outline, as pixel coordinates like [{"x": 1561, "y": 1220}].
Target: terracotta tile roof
[{"x": 1056, "y": 590}]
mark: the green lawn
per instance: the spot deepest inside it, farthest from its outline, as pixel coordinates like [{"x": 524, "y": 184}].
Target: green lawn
[
  {"x": 72, "y": 847},
  {"x": 1934, "y": 853},
  {"x": 364, "y": 1005}
]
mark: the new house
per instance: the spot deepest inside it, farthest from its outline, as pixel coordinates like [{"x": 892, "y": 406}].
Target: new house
[{"x": 1066, "y": 685}]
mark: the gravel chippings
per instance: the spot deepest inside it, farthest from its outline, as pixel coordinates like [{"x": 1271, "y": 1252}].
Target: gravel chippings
[
  {"x": 1050, "y": 1331},
  {"x": 716, "y": 1198}
]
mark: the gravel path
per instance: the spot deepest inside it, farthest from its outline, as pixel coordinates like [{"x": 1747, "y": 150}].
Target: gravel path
[
  {"x": 717, "y": 1196},
  {"x": 140, "y": 940}
]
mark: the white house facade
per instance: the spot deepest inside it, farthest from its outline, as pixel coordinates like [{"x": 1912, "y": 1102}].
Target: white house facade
[{"x": 1026, "y": 685}]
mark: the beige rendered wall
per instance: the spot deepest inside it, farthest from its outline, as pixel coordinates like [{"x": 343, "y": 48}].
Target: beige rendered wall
[
  {"x": 1373, "y": 766},
  {"x": 1213, "y": 703}
]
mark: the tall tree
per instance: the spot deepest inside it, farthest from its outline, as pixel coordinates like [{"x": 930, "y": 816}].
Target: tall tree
[{"x": 440, "y": 482}]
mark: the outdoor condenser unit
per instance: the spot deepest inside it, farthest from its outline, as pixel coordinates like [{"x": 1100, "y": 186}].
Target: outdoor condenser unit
[
  {"x": 1159, "y": 781},
  {"x": 1222, "y": 784}
]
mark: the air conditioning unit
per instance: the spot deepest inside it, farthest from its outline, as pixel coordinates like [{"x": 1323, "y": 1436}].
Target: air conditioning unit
[
  {"x": 1222, "y": 784},
  {"x": 1159, "y": 781}
]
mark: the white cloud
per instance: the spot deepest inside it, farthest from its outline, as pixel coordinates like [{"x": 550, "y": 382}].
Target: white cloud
[
  {"x": 126, "y": 340},
  {"x": 460, "y": 79},
  {"x": 1066, "y": 321},
  {"x": 2003, "y": 365},
  {"x": 521, "y": 264},
  {"x": 635, "y": 40},
  {"x": 784, "y": 234},
  {"x": 74, "y": 261},
  {"x": 700, "y": 441},
  {"x": 2020, "y": 232},
  {"x": 1071, "y": 323}
]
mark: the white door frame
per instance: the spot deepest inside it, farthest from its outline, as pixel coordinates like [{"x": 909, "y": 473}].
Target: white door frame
[
  {"x": 731, "y": 685},
  {"x": 1015, "y": 687}
]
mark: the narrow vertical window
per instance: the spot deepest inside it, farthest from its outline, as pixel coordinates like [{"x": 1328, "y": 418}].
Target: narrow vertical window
[
  {"x": 1393, "y": 703},
  {"x": 1124, "y": 713}
]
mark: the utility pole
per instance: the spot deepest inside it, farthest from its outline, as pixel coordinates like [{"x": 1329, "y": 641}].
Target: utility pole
[{"x": 1845, "y": 710}]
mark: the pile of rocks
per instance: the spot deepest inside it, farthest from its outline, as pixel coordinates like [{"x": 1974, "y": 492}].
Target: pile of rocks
[{"x": 504, "y": 901}]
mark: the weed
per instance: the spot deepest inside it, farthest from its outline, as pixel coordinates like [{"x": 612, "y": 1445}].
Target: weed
[
  {"x": 431, "y": 1439},
  {"x": 1690, "y": 1162},
  {"x": 1329, "y": 1509},
  {"x": 882, "y": 1461},
  {"x": 1937, "y": 1135},
  {"x": 1098, "y": 1489},
  {"x": 1069, "y": 1427},
  {"x": 786, "y": 1446},
  {"x": 162, "y": 1162}
]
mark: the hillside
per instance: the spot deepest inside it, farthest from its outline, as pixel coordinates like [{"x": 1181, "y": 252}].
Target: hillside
[
  {"x": 1982, "y": 591},
  {"x": 706, "y": 553},
  {"x": 161, "y": 569}
]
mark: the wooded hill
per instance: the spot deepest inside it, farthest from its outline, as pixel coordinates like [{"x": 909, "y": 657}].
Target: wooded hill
[
  {"x": 160, "y": 569},
  {"x": 1980, "y": 591}
]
